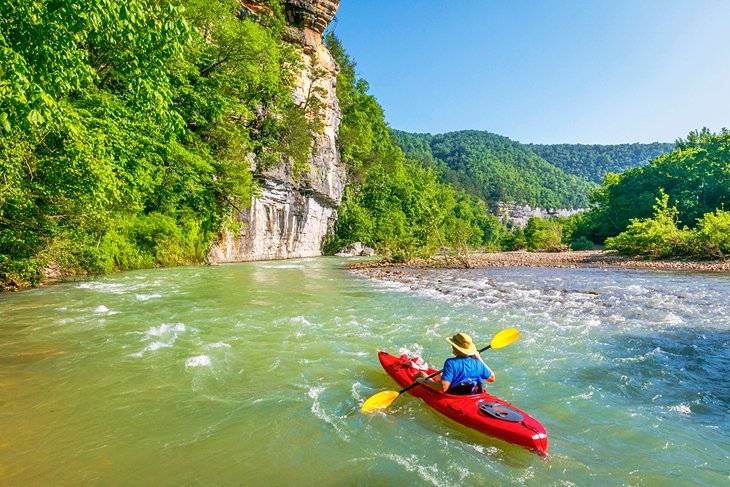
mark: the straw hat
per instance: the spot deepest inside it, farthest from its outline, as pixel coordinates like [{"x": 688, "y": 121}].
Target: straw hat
[{"x": 463, "y": 343}]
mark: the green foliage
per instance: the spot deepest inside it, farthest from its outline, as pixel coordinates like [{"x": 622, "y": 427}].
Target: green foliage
[
  {"x": 495, "y": 168},
  {"x": 127, "y": 132},
  {"x": 20, "y": 272},
  {"x": 364, "y": 136},
  {"x": 696, "y": 176},
  {"x": 593, "y": 162},
  {"x": 656, "y": 237},
  {"x": 581, "y": 243},
  {"x": 49, "y": 50},
  {"x": 544, "y": 234},
  {"x": 712, "y": 236},
  {"x": 493, "y": 232},
  {"x": 515, "y": 240},
  {"x": 397, "y": 210}
]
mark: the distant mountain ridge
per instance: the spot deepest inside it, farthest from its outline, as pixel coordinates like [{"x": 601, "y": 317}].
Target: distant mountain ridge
[
  {"x": 593, "y": 161},
  {"x": 498, "y": 169}
]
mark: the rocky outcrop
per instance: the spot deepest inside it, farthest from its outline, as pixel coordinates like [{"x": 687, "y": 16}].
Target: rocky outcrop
[
  {"x": 292, "y": 214},
  {"x": 515, "y": 215},
  {"x": 307, "y": 19}
]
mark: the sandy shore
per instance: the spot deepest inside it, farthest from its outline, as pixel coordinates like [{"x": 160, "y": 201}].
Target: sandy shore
[{"x": 583, "y": 258}]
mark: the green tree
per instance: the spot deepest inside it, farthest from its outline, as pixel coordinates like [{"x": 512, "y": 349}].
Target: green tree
[
  {"x": 544, "y": 234},
  {"x": 495, "y": 168},
  {"x": 594, "y": 162},
  {"x": 696, "y": 175}
]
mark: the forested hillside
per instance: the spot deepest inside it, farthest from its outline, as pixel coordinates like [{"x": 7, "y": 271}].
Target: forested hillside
[
  {"x": 593, "y": 162},
  {"x": 495, "y": 168}
]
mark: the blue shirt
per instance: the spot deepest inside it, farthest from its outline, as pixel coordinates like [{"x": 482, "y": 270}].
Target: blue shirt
[{"x": 460, "y": 370}]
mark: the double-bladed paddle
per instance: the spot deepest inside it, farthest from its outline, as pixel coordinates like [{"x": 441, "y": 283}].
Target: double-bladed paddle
[{"x": 385, "y": 398}]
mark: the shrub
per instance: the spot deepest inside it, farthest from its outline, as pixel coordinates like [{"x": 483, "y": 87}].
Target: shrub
[
  {"x": 20, "y": 272},
  {"x": 713, "y": 234},
  {"x": 515, "y": 240},
  {"x": 581, "y": 243},
  {"x": 657, "y": 237}
]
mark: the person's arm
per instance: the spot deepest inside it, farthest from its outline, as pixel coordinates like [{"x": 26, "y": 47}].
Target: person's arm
[
  {"x": 491, "y": 373},
  {"x": 437, "y": 385},
  {"x": 440, "y": 384}
]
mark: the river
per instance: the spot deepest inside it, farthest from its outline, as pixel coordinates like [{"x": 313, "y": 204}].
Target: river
[{"x": 254, "y": 373}]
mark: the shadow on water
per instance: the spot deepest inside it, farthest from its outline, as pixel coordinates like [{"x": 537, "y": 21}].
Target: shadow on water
[{"x": 679, "y": 368}]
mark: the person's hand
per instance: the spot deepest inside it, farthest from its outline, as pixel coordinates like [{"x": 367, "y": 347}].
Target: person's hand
[
  {"x": 491, "y": 378},
  {"x": 420, "y": 380}
]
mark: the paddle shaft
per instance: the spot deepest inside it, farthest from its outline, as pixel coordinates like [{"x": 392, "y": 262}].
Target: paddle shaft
[{"x": 434, "y": 374}]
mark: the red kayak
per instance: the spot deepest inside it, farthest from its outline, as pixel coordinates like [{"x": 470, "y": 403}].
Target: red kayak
[{"x": 482, "y": 412}]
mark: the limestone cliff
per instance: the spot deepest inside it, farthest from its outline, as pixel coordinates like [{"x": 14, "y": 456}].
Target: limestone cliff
[
  {"x": 516, "y": 215},
  {"x": 292, "y": 215}
]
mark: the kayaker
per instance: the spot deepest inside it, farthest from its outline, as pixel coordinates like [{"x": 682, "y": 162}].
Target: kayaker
[{"x": 465, "y": 370}]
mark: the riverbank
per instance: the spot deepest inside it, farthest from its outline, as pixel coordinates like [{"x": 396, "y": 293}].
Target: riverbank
[{"x": 571, "y": 259}]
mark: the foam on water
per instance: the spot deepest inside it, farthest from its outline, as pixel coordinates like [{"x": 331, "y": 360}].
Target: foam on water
[
  {"x": 673, "y": 319},
  {"x": 152, "y": 347},
  {"x": 147, "y": 297},
  {"x": 115, "y": 287},
  {"x": 641, "y": 358},
  {"x": 199, "y": 361},
  {"x": 355, "y": 390},
  {"x": 284, "y": 266},
  {"x": 412, "y": 463},
  {"x": 165, "y": 329},
  {"x": 591, "y": 302},
  {"x": 319, "y": 411},
  {"x": 97, "y": 285},
  {"x": 164, "y": 336},
  {"x": 682, "y": 409}
]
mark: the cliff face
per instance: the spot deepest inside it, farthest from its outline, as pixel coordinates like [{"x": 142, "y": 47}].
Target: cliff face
[
  {"x": 292, "y": 215},
  {"x": 512, "y": 214}
]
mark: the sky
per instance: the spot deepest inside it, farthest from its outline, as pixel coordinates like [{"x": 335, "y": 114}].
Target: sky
[{"x": 545, "y": 71}]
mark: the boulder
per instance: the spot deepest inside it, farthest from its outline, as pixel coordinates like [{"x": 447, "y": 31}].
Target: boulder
[{"x": 354, "y": 250}]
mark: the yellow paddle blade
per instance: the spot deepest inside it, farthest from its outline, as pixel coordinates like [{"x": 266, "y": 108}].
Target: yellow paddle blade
[
  {"x": 505, "y": 337},
  {"x": 379, "y": 401}
]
